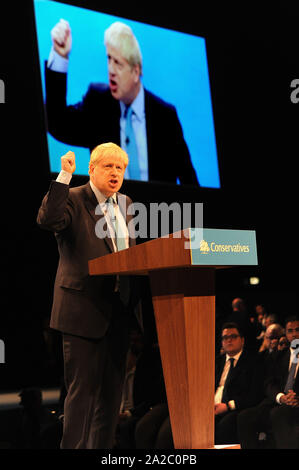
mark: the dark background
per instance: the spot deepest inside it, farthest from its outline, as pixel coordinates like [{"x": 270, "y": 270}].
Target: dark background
[{"x": 253, "y": 57}]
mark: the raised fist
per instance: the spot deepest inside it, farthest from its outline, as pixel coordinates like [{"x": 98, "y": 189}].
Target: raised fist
[
  {"x": 62, "y": 38},
  {"x": 68, "y": 162}
]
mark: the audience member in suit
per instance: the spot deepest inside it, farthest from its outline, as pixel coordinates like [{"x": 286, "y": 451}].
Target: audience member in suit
[
  {"x": 92, "y": 312},
  {"x": 279, "y": 411},
  {"x": 163, "y": 154},
  {"x": 237, "y": 386},
  {"x": 270, "y": 344},
  {"x": 238, "y": 381},
  {"x": 283, "y": 343},
  {"x": 153, "y": 430}
]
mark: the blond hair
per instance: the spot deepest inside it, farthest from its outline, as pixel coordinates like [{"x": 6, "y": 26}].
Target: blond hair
[
  {"x": 121, "y": 37},
  {"x": 108, "y": 149}
]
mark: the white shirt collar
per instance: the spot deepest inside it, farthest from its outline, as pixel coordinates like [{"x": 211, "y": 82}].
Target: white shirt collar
[
  {"x": 293, "y": 353},
  {"x": 236, "y": 357},
  {"x": 101, "y": 198}
]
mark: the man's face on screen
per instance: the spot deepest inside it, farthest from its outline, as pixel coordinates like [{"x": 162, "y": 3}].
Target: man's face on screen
[
  {"x": 124, "y": 80},
  {"x": 108, "y": 174}
]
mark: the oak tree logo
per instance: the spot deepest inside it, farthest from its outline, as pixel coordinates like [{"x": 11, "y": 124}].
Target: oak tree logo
[{"x": 204, "y": 247}]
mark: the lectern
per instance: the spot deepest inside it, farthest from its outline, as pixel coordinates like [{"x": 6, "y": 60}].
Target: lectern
[{"x": 181, "y": 268}]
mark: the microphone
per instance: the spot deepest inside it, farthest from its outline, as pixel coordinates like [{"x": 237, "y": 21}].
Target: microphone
[{"x": 127, "y": 140}]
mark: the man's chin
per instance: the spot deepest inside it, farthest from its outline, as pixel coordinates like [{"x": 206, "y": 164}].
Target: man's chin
[
  {"x": 114, "y": 188},
  {"x": 114, "y": 94}
]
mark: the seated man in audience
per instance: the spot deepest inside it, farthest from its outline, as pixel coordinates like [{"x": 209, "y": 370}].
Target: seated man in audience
[
  {"x": 279, "y": 411},
  {"x": 283, "y": 343},
  {"x": 270, "y": 344},
  {"x": 238, "y": 383}
]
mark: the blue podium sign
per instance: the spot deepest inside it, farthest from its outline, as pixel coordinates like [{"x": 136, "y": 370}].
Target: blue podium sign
[{"x": 216, "y": 247}]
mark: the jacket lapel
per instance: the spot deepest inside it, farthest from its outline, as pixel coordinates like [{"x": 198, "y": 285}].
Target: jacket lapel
[
  {"x": 236, "y": 370},
  {"x": 219, "y": 370},
  {"x": 123, "y": 203},
  {"x": 95, "y": 212}
]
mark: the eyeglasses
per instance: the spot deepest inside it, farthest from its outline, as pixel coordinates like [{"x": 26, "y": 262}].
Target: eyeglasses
[{"x": 227, "y": 337}]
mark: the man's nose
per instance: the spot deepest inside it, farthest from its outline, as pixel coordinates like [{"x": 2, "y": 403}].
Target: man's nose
[{"x": 111, "y": 68}]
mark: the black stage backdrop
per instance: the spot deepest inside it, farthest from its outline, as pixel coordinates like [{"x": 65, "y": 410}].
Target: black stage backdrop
[{"x": 253, "y": 58}]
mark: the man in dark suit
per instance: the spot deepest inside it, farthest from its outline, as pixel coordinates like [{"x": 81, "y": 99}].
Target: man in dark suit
[
  {"x": 238, "y": 383},
  {"x": 279, "y": 411},
  {"x": 157, "y": 138},
  {"x": 93, "y": 313}
]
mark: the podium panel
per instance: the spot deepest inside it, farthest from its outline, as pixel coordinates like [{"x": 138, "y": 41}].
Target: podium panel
[
  {"x": 181, "y": 268},
  {"x": 184, "y": 305}
]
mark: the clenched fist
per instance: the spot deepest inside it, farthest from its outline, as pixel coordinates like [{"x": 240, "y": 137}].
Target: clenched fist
[
  {"x": 62, "y": 38},
  {"x": 68, "y": 162}
]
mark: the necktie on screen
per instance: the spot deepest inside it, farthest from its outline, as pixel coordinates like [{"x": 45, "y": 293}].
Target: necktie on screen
[
  {"x": 123, "y": 281},
  {"x": 291, "y": 377},
  {"x": 131, "y": 146},
  {"x": 231, "y": 367}
]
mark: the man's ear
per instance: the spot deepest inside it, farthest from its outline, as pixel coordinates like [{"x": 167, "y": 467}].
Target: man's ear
[{"x": 137, "y": 72}]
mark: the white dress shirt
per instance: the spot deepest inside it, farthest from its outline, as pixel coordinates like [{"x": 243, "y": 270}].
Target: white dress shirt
[{"x": 293, "y": 357}]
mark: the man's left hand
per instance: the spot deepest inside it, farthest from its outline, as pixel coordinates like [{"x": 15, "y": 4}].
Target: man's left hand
[{"x": 220, "y": 408}]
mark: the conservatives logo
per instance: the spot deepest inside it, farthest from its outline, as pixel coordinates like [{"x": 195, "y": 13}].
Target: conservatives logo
[
  {"x": 221, "y": 248},
  {"x": 204, "y": 246}
]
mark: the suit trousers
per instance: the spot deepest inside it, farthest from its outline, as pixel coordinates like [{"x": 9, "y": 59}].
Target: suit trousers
[
  {"x": 226, "y": 428},
  {"x": 285, "y": 424},
  {"x": 280, "y": 420},
  {"x": 153, "y": 430},
  {"x": 94, "y": 371},
  {"x": 251, "y": 422}
]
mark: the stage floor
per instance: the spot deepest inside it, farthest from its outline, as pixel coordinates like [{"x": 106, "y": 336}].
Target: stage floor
[{"x": 12, "y": 399}]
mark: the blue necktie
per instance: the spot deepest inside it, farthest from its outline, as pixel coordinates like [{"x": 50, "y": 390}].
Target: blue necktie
[
  {"x": 131, "y": 147},
  {"x": 291, "y": 378}
]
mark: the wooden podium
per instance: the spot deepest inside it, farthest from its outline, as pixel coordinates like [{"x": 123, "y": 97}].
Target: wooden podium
[{"x": 181, "y": 268}]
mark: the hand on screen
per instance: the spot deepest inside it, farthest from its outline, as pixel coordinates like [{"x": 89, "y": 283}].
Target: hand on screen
[
  {"x": 68, "y": 162},
  {"x": 62, "y": 38}
]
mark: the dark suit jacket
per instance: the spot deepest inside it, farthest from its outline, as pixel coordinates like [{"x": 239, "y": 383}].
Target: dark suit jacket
[
  {"x": 277, "y": 379},
  {"x": 96, "y": 120},
  {"x": 82, "y": 304},
  {"x": 245, "y": 385}
]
